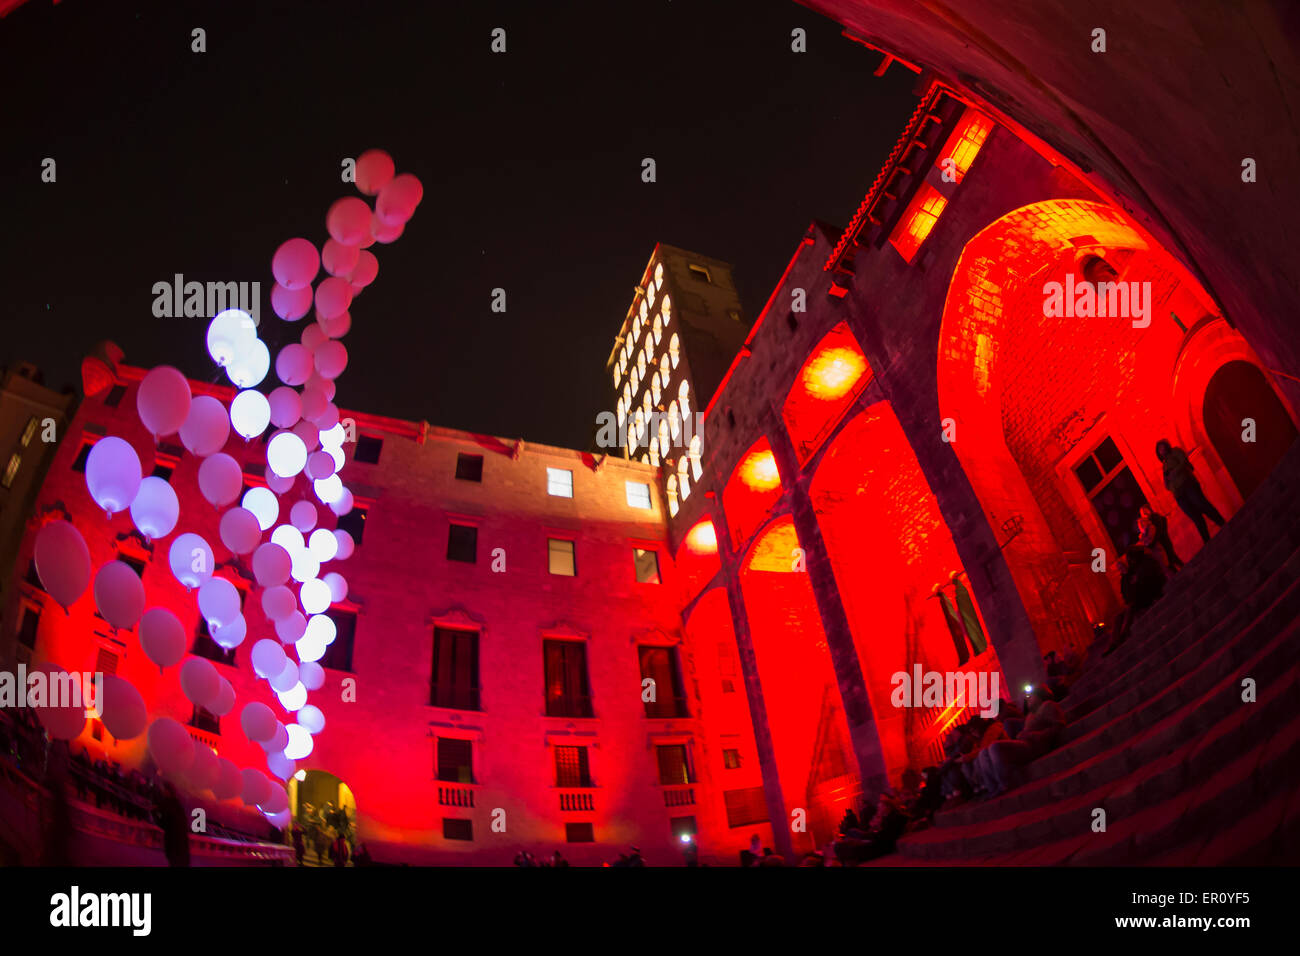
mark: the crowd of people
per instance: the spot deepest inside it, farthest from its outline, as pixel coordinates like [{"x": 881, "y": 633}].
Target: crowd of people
[{"x": 329, "y": 832}]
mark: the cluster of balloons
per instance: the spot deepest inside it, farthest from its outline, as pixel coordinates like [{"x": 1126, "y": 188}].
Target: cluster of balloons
[{"x": 304, "y": 455}]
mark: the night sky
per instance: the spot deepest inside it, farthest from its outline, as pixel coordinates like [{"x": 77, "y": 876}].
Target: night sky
[{"x": 203, "y": 163}]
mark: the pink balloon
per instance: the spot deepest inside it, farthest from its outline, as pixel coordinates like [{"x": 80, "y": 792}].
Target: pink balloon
[
  {"x": 240, "y": 531},
  {"x": 220, "y": 479},
  {"x": 338, "y": 326},
  {"x": 309, "y": 434},
  {"x": 171, "y": 746},
  {"x": 280, "y": 765},
  {"x": 295, "y": 264},
  {"x": 303, "y": 516},
  {"x": 258, "y": 721},
  {"x": 163, "y": 400},
  {"x": 207, "y": 427},
  {"x": 324, "y": 385},
  {"x": 224, "y": 702},
  {"x": 267, "y": 658},
  {"x": 293, "y": 365},
  {"x": 276, "y": 802},
  {"x": 257, "y": 788},
  {"x": 290, "y": 628},
  {"x": 339, "y": 259},
  {"x": 162, "y": 637},
  {"x": 278, "y": 741},
  {"x": 277, "y": 484},
  {"x": 229, "y": 780},
  {"x": 397, "y": 201},
  {"x": 320, "y": 464},
  {"x": 271, "y": 565},
  {"x": 286, "y": 406},
  {"x": 331, "y": 358},
  {"x": 278, "y": 602},
  {"x": 346, "y": 545},
  {"x": 333, "y": 296},
  {"x": 366, "y": 270},
  {"x": 290, "y": 304},
  {"x": 200, "y": 681},
  {"x": 374, "y": 171},
  {"x": 348, "y": 221},
  {"x": 205, "y": 771},
  {"x": 61, "y": 722},
  {"x": 62, "y": 562},
  {"x": 328, "y": 418},
  {"x": 122, "y": 709},
  {"x": 385, "y": 233},
  {"x": 313, "y": 402},
  {"x": 119, "y": 594},
  {"x": 312, "y": 336}
]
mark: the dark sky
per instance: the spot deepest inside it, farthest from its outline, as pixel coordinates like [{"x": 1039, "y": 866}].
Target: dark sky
[{"x": 203, "y": 163}]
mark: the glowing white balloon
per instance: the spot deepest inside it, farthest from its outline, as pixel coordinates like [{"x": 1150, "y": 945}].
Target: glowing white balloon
[
  {"x": 310, "y": 648},
  {"x": 346, "y": 544},
  {"x": 315, "y": 596},
  {"x": 293, "y": 699},
  {"x": 113, "y": 473},
  {"x": 303, "y": 516},
  {"x": 155, "y": 508},
  {"x": 334, "y": 437},
  {"x": 286, "y": 679},
  {"x": 322, "y": 545},
  {"x": 231, "y": 635},
  {"x": 289, "y": 538},
  {"x": 310, "y": 717},
  {"x": 286, "y": 454},
  {"x": 311, "y": 674},
  {"x": 268, "y": 658},
  {"x": 263, "y": 503},
  {"x": 300, "y": 742},
  {"x": 328, "y": 490},
  {"x": 305, "y": 567},
  {"x": 250, "y": 366},
  {"x": 343, "y": 504},
  {"x": 190, "y": 559},
  {"x": 338, "y": 586},
  {"x": 250, "y": 413},
  {"x": 230, "y": 334},
  {"x": 219, "y": 602},
  {"x": 321, "y": 627}
]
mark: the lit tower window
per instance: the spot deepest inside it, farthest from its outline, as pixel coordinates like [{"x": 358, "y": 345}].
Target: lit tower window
[
  {"x": 675, "y": 420},
  {"x": 665, "y": 369},
  {"x": 674, "y": 352},
  {"x": 684, "y": 398},
  {"x": 663, "y": 436},
  {"x": 636, "y": 328},
  {"x": 659, "y": 273},
  {"x": 683, "y": 477},
  {"x": 640, "y": 365},
  {"x": 654, "y": 389},
  {"x": 922, "y": 214},
  {"x": 618, "y": 373},
  {"x": 697, "y": 450},
  {"x": 651, "y": 291},
  {"x": 635, "y": 380},
  {"x": 645, "y": 309},
  {"x": 672, "y": 495},
  {"x": 666, "y": 309},
  {"x": 646, "y": 404},
  {"x": 654, "y": 454},
  {"x": 658, "y": 328},
  {"x": 622, "y": 412},
  {"x": 638, "y": 427},
  {"x": 966, "y": 142}
]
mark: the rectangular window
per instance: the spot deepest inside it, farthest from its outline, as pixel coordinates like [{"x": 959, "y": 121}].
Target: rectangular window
[
  {"x": 684, "y": 830},
  {"x": 455, "y": 760},
  {"x": 106, "y": 661},
  {"x": 559, "y": 483},
  {"x": 560, "y": 557},
  {"x": 204, "y": 719},
  {"x": 926, "y": 207},
  {"x": 115, "y": 396},
  {"x": 29, "y": 431},
  {"x": 455, "y": 829},
  {"x": 79, "y": 463},
  {"x": 455, "y": 669},
  {"x": 368, "y": 449},
  {"x": 11, "y": 470},
  {"x": 469, "y": 467},
  {"x": 1113, "y": 491},
  {"x": 731, "y": 759},
  {"x": 135, "y": 564},
  {"x": 966, "y": 142},
  {"x": 674, "y": 766},
  {"x": 338, "y": 656},
  {"x": 647, "y": 565},
  {"x": 27, "y": 629},
  {"x": 354, "y": 523},
  {"x": 462, "y": 543},
  {"x": 659, "y": 664},
  {"x": 567, "y": 691},
  {"x": 745, "y": 807},
  {"x": 699, "y": 272},
  {"x": 579, "y": 833},
  {"x": 571, "y": 767},
  {"x": 638, "y": 495}
]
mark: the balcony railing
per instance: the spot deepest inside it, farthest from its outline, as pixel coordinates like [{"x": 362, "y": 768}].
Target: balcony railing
[
  {"x": 568, "y": 707},
  {"x": 204, "y": 736},
  {"x": 679, "y": 795},
  {"x": 455, "y": 795},
  {"x": 577, "y": 800}
]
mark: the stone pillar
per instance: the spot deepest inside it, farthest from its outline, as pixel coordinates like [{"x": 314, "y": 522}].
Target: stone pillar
[
  {"x": 772, "y": 793},
  {"x": 835, "y": 622}
]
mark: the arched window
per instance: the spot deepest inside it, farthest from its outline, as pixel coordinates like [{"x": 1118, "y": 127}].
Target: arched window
[
  {"x": 618, "y": 374},
  {"x": 675, "y": 421},
  {"x": 649, "y": 350},
  {"x": 665, "y": 368},
  {"x": 697, "y": 449},
  {"x": 651, "y": 291},
  {"x": 659, "y": 273},
  {"x": 627, "y": 349},
  {"x": 622, "y": 412},
  {"x": 666, "y": 309},
  {"x": 683, "y": 477},
  {"x": 672, "y": 495},
  {"x": 627, "y": 395},
  {"x": 638, "y": 429},
  {"x": 645, "y": 309},
  {"x": 646, "y": 404},
  {"x": 640, "y": 365},
  {"x": 674, "y": 351},
  {"x": 663, "y": 436},
  {"x": 654, "y": 389},
  {"x": 636, "y": 328},
  {"x": 658, "y": 329},
  {"x": 684, "y": 398},
  {"x": 635, "y": 380},
  {"x": 654, "y": 455}
]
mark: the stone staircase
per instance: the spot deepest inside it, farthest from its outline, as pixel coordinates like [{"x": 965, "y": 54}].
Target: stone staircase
[{"x": 1158, "y": 735}]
